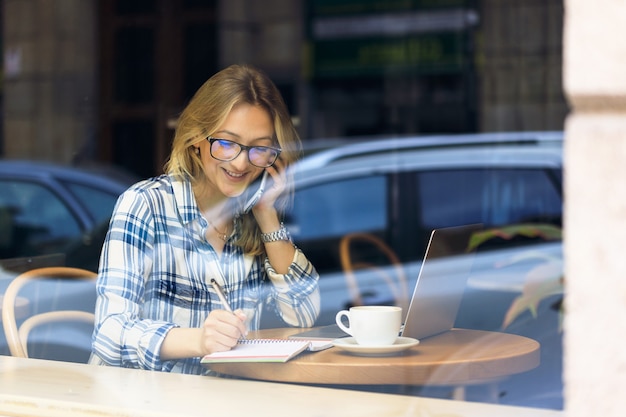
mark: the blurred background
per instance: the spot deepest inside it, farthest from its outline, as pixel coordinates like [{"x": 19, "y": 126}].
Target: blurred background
[
  {"x": 91, "y": 91},
  {"x": 104, "y": 80}
]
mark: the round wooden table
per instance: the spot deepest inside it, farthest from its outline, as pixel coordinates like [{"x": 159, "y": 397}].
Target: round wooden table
[{"x": 457, "y": 357}]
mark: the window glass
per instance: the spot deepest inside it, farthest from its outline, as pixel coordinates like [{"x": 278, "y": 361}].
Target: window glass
[
  {"x": 134, "y": 72},
  {"x": 494, "y": 197},
  {"x": 194, "y": 5},
  {"x": 200, "y": 50},
  {"x": 322, "y": 214},
  {"x": 135, "y": 7},
  {"x": 98, "y": 203},
  {"x": 106, "y": 82},
  {"x": 335, "y": 208},
  {"x": 131, "y": 138},
  {"x": 35, "y": 220}
]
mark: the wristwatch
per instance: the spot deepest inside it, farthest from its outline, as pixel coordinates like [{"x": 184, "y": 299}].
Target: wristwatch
[{"x": 281, "y": 234}]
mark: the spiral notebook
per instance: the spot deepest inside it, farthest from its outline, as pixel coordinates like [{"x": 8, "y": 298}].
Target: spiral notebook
[{"x": 263, "y": 350}]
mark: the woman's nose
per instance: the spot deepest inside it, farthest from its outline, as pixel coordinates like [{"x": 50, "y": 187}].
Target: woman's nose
[{"x": 241, "y": 162}]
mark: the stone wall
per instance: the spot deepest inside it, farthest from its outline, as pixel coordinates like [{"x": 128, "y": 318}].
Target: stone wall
[
  {"x": 519, "y": 61},
  {"x": 49, "y": 79},
  {"x": 51, "y": 84},
  {"x": 268, "y": 34}
]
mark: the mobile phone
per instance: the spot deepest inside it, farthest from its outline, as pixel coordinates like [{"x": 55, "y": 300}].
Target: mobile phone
[{"x": 257, "y": 195}]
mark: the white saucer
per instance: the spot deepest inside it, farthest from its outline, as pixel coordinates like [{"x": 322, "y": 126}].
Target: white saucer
[{"x": 349, "y": 345}]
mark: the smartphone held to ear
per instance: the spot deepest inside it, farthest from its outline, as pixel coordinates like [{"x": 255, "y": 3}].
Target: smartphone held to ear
[{"x": 257, "y": 194}]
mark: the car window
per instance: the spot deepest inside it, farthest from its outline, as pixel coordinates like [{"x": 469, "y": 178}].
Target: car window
[
  {"x": 333, "y": 209},
  {"x": 323, "y": 213},
  {"x": 494, "y": 197},
  {"x": 99, "y": 203},
  {"x": 34, "y": 219}
]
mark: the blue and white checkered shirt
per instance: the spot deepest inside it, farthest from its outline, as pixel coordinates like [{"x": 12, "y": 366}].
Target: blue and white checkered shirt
[{"x": 155, "y": 273}]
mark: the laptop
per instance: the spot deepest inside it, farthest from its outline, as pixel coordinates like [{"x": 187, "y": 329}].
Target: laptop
[{"x": 438, "y": 291}]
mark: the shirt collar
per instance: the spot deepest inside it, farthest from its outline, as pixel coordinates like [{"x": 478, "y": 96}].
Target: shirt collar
[{"x": 185, "y": 199}]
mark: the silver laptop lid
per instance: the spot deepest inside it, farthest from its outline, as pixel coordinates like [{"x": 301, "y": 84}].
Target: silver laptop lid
[{"x": 441, "y": 282}]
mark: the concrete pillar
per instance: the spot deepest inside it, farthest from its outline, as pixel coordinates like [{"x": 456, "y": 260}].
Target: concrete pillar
[{"x": 595, "y": 208}]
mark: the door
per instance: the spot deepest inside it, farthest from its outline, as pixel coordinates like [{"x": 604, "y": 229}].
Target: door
[{"x": 154, "y": 55}]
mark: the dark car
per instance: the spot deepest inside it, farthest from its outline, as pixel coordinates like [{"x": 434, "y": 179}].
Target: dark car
[
  {"x": 48, "y": 209},
  {"x": 55, "y": 215}
]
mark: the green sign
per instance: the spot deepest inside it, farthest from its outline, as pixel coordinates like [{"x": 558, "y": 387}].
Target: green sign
[
  {"x": 352, "y": 7},
  {"x": 375, "y": 37},
  {"x": 427, "y": 53}
]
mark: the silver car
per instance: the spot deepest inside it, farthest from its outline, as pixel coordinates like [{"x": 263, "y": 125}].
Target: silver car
[{"x": 400, "y": 189}]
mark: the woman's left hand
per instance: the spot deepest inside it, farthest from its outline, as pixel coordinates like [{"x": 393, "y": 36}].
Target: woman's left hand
[
  {"x": 279, "y": 253},
  {"x": 275, "y": 187}
]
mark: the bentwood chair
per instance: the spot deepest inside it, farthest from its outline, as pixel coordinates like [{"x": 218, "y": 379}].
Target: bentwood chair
[
  {"x": 398, "y": 287},
  {"x": 17, "y": 336}
]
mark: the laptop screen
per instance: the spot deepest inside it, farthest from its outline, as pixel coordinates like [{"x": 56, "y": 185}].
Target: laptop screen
[
  {"x": 438, "y": 291},
  {"x": 441, "y": 282}
]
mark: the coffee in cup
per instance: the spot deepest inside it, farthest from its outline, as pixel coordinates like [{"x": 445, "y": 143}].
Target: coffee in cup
[{"x": 371, "y": 325}]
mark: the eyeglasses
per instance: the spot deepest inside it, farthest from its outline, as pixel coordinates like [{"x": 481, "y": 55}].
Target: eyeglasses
[{"x": 227, "y": 150}]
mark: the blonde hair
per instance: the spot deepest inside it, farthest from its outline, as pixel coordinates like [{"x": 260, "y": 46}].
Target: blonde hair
[{"x": 207, "y": 111}]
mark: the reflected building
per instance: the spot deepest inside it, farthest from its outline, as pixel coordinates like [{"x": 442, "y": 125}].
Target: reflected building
[{"x": 104, "y": 80}]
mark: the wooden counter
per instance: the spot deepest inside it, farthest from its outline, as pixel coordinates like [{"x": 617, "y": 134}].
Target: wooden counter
[{"x": 32, "y": 387}]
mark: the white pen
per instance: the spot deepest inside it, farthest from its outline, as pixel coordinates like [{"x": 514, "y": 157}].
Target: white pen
[{"x": 221, "y": 295}]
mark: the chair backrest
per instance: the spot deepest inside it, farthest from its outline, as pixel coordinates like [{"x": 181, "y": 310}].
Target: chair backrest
[
  {"x": 17, "y": 337},
  {"x": 397, "y": 287}
]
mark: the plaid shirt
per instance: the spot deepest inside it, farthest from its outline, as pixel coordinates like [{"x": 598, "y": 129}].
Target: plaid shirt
[{"x": 155, "y": 273}]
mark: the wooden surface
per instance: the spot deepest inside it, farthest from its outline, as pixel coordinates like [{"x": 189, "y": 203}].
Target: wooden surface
[
  {"x": 33, "y": 387},
  {"x": 458, "y": 357}
]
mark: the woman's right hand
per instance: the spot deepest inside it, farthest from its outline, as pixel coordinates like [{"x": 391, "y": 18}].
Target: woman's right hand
[{"x": 222, "y": 329}]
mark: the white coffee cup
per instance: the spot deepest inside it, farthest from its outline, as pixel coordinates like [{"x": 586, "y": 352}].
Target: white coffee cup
[{"x": 372, "y": 325}]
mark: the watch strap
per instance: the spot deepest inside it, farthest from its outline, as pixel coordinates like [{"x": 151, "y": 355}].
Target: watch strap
[{"x": 277, "y": 235}]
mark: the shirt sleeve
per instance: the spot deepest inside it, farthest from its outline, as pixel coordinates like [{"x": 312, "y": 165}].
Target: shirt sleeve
[
  {"x": 296, "y": 293},
  {"x": 121, "y": 336}
]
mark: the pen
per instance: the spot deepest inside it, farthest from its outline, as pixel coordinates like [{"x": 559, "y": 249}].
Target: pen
[
  {"x": 222, "y": 298},
  {"x": 221, "y": 295}
]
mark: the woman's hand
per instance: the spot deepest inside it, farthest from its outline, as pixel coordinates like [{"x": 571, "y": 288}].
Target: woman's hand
[
  {"x": 279, "y": 253},
  {"x": 221, "y": 330},
  {"x": 276, "y": 186}
]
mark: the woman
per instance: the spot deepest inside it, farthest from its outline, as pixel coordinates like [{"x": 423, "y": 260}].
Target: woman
[{"x": 171, "y": 235}]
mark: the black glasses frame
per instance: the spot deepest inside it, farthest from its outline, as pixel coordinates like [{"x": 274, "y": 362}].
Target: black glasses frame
[{"x": 211, "y": 139}]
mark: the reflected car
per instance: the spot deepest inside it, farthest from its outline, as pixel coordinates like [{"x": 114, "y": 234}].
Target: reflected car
[
  {"x": 47, "y": 209},
  {"x": 400, "y": 189},
  {"x": 60, "y": 214}
]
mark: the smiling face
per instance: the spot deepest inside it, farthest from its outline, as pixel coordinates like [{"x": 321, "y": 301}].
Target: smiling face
[{"x": 247, "y": 125}]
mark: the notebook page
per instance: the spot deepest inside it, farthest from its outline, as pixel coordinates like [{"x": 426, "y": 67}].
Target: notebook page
[{"x": 260, "y": 350}]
